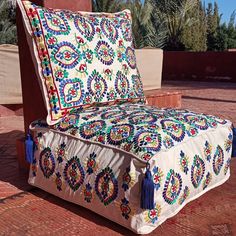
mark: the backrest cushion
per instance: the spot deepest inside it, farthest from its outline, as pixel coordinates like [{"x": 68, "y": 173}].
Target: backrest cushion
[{"x": 82, "y": 59}]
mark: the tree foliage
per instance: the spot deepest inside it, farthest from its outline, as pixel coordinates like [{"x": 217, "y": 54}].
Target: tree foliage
[{"x": 7, "y": 23}]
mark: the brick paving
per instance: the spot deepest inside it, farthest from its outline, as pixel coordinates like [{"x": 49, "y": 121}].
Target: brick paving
[{"x": 30, "y": 211}]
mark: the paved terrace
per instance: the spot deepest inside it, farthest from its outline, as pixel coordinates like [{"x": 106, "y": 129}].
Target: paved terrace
[{"x": 29, "y": 211}]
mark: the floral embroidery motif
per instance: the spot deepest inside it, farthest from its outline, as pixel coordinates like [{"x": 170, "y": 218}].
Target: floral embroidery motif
[
  {"x": 104, "y": 53},
  {"x": 198, "y": 121},
  {"x": 68, "y": 122},
  {"x": 109, "y": 29},
  {"x": 147, "y": 141},
  {"x": 61, "y": 152},
  {"x": 197, "y": 171},
  {"x": 184, "y": 195},
  {"x": 207, "y": 181},
  {"x": 66, "y": 55},
  {"x": 58, "y": 181},
  {"x": 106, "y": 186},
  {"x": 126, "y": 30},
  {"x": 72, "y": 92},
  {"x": 228, "y": 143},
  {"x": 121, "y": 84},
  {"x": 157, "y": 177},
  {"x": 172, "y": 188},
  {"x": 60, "y": 74},
  {"x": 218, "y": 160},
  {"x": 152, "y": 216},
  {"x": 74, "y": 173},
  {"x": 47, "y": 162},
  {"x": 208, "y": 151},
  {"x": 55, "y": 23},
  {"x": 125, "y": 209},
  {"x": 130, "y": 57},
  {"x": 88, "y": 193},
  {"x": 91, "y": 163},
  {"x": 138, "y": 86},
  {"x": 138, "y": 119},
  {"x": 128, "y": 179},
  {"x": 174, "y": 129},
  {"x": 183, "y": 161},
  {"x": 168, "y": 142},
  {"x": 118, "y": 134},
  {"x": 91, "y": 129},
  {"x": 85, "y": 27},
  {"x": 97, "y": 86},
  {"x": 227, "y": 165}
]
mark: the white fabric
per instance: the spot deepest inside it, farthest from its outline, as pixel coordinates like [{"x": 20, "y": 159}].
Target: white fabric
[{"x": 139, "y": 220}]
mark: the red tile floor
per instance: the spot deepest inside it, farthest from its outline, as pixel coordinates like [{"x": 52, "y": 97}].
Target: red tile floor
[{"x": 29, "y": 211}]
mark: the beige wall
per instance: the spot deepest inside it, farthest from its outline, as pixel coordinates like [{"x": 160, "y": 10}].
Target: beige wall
[
  {"x": 149, "y": 63},
  {"x": 10, "y": 83}
]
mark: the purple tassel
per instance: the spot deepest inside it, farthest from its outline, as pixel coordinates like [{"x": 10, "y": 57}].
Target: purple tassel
[
  {"x": 147, "y": 190},
  {"x": 29, "y": 149}
]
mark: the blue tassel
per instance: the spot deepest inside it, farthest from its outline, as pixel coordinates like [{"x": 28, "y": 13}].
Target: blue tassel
[
  {"x": 234, "y": 143},
  {"x": 29, "y": 149},
  {"x": 147, "y": 190}
]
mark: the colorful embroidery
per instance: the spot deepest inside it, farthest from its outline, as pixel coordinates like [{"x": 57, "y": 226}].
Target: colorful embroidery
[
  {"x": 126, "y": 30},
  {"x": 197, "y": 171},
  {"x": 174, "y": 129},
  {"x": 118, "y": 134},
  {"x": 152, "y": 216},
  {"x": 58, "y": 181},
  {"x": 106, "y": 186},
  {"x": 66, "y": 42},
  {"x": 228, "y": 143},
  {"x": 97, "y": 86},
  {"x": 208, "y": 151},
  {"x": 74, "y": 173},
  {"x": 147, "y": 141},
  {"x": 47, "y": 162},
  {"x": 138, "y": 86},
  {"x": 218, "y": 160},
  {"x": 128, "y": 179},
  {"x": 66, "y": 55},
  {"x": 55, "y": 23},
  {"x": 157, "y": 177},
  {"x": 104, "y": 53},
  {"x": 88, "y": 193},
  {"x": 183, "y": 161},
  {"x": 91, "y": 163},
  {"x": 138, "y": 129},
  {"x": 130, "y": 57},
  {"x": 109, "y": 30},
  {"x": 168, "y": 142},
  {"x": 91, "y": 129},
  {"x": 184, "y": 195},
  {"x": 207, "y": 181},
  {"x": 227, "y": 165},
  {"x": 122, "y": 84},
  {"x": 71, "y": 92},
  {"x": 68, "y": 122},
  {"x": 125, "y": 209},
  {"x": 85, "y": 27},
  {"x": 172, "y": 188},
  {"x": 198, "y": 121},
  {"x": 61, "y": 152}
]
